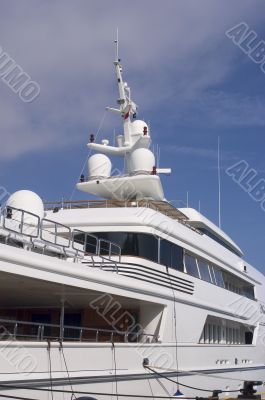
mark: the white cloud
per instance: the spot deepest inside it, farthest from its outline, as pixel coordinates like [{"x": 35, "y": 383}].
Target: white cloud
[
  {"x": 171, "y": 50},
  {"x": 207, "y": 153}
]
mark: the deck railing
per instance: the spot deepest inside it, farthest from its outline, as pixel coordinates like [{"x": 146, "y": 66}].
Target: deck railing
[
  {"x": 33, "y": 232},
  {"x": 35, "y": 331}
]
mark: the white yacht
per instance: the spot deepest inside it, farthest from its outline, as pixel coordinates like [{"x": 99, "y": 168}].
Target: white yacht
[{"x": 127, "y": 296}]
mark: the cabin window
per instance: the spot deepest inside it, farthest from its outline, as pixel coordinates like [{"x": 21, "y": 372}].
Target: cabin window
[
  {"x": 209, "y": 272},
  {"x": 146, "y": 246},
  {"x": 176, "y": 257},
  {"x": 248, "y": 337},
  {"x": 191, "y": 265},
  {"x": 218, "y": 240},
  {"x": 223, "y": 331},
  {"x": 133, "y": 244},
  {"x": 171, "y": 255},
  {"x": 204, "y": 270},
  {"x": 218, "y": 276}
]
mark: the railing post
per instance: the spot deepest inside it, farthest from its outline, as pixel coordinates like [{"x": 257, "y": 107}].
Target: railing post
[
  {"x": 62, "y": 320},
  {"x": 15, "y": 331},
  {"x": 42, "y": 332},
  {"x": 97, "y": 336},
  {"x": 80, "y": 335},
  {"x": 39, "y": 333}
]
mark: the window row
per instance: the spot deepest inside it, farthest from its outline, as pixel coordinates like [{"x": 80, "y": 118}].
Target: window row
[
  {"x": 218, "y": 240},
  {"x": 169, "y": 254},
  {"x": 226, "y": 332},
  {"x": 142, "y": 245},
  {"x": 211, "y": 273}
]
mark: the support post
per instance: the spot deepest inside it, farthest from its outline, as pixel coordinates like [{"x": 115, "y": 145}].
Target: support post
[{"x": 62, "y": 320}]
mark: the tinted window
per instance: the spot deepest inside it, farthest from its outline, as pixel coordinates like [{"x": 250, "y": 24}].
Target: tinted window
[
  {"x": 91, "y": 242},
  {"x": 165, "y": 253},
  {"x": 171, "y": 255},
  {"x": 147, "y": 246},
  {"x": 248, "y": 291},
  {"x": 218, "y": 276},
  {"x": 218, "y": 240},
  {"x": 204, "y": 271},
  {"x": 191, "y": 265},
  {"x": 177, "y": 257},
  {"x": 248, "y": 337},
  {"x": 133, "y": 244}
]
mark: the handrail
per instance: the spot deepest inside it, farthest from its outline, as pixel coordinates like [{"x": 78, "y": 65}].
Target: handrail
[
  {"x": 8, "y": 216},
  {"x": 48, "y": 232},
  {"x": 164, "y": 207},
  {"x": 42, "y": 334},
  {"x": 56, "y": 226},
  {"x": 109, "y": 249}
]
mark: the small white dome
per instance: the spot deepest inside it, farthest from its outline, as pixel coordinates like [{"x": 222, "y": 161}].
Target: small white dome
[
  {"x": 142, "y": 160},
  {"x": 138, "y": 127},
  {"x": 99, "y": 166},
  {"x": 27, "y": 201}
]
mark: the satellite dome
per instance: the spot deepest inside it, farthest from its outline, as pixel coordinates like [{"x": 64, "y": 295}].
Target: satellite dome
[
  {"x": 142, "y": 160},
  {"x": 99, "y": 166},
  {"x": 27, "y": 201},
  {"x": 138, "y": 127}
]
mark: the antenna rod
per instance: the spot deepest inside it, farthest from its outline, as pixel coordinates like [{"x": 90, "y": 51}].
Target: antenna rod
[
  {"x": 117, "y": 45},
  {"x": 219, "y": 185}
]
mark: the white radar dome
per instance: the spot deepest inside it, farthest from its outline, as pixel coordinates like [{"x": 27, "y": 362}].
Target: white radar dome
[
  {"x": 99, "y": 166},
  {"x": 139, "y": 127},
  {"x": 27, "y": 201},
  {"x": 142, "y": 160}
]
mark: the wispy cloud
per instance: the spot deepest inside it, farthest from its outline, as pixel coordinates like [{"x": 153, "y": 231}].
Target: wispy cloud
[
  {"x": 68, "y": 48},
  {"x": 200, "y": 152},
  {"x": 219, "y": 108}
]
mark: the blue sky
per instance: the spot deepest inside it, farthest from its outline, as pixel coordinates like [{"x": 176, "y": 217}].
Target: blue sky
[{"x": 188, "y": 78}]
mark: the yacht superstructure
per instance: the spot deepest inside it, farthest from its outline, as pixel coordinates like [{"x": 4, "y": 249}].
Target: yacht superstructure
[{"x": 127, "y": 295}]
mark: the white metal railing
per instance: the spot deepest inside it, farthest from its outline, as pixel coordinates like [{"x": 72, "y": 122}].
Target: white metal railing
[
  {"x": 24, "y": 330},
  {"x": 49, "y": 235}
]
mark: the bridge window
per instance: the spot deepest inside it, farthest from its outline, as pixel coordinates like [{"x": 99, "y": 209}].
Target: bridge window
[
  {"x": 171, "y": 255},
  {"x": 204, "y": 270},
  {"x": 191, "y": 265}
]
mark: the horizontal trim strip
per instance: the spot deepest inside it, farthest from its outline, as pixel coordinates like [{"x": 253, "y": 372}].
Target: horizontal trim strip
[
  {"x": 166, "y": 274},
  {"x": 120, "y": 377},
  {"x": 130, "y": 274},
  {"x": 130, "y": 271},
  {"x": 162, "y": 275}
]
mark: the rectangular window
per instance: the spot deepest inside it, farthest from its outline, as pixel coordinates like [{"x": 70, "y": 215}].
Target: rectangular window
[
  {"x": 204, "y": 270},
  {"x": 177, "y": 257},
  {"x": 171, "y": 255},
  {"x": 218, "y": 276},
  {"x": 191, "y": 265},
  {"x": 165, "y": 253}
]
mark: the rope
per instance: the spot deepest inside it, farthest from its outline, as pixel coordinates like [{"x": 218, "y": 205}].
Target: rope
[
  {"x": 115, "y": 369},
  {"x": 67, "y": 371},
  {"x": 187, "y": 386},
  {"x": 175, "y": 323},
  {"x": 141, "y": 396},
  {"x": 198, "y": 373},
  {"x": 16, "y": 397},
  {"x": 50, "y": 367}
]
